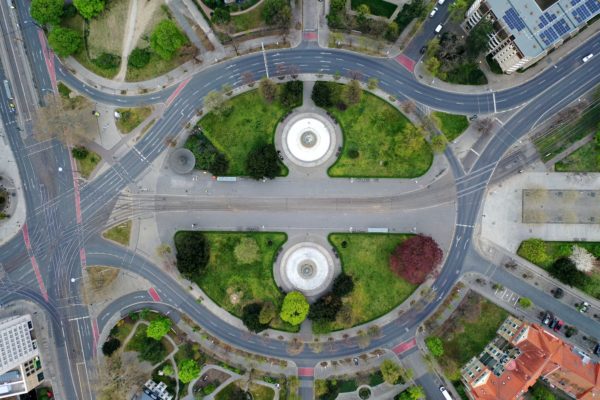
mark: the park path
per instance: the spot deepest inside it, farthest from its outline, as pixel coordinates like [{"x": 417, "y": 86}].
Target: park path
[{"x": 127, "y": 39}]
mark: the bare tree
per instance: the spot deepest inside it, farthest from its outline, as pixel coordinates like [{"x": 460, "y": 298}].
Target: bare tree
[
  {"x": 294, "y": 70},
  {"x": 281, "y": 70},
  {"x": 71, "y": 121},
  {"x": 355, "y": 75},
  {"x": 484, "y": 125},
  {"x": 117, "y": 378},
  {"x": 409, "y": 107},
  {"x": 248, "y": 78}
]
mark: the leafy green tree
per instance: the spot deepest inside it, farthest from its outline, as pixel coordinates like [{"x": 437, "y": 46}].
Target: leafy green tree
[
  {"x": 192, "y": 253},
  {"x": 294, "y": 308},
  {"x": 458, "y": 9},
  {"x": 291, "y": 93},
  {"x": 321, "y": 94},
  {"x": 188, "y": 370},
  {"x": 47, "y": 12},
  {"x": 152, "y": 351},
  {"x": 534, "y": 250},
  {"x": 392, "y": 31},
  {"x": 168, "y": 370},
  {"x": 433, "y": 65},
  {"x": 373, "y": 83},
  {"x": 325, "y": 308},
  {"x": 251, "y": 317},
  {"x": 262, "y": 162},
  {"x": 221, "y": 16},
  {"x": 343, "y": 285},
  {"x": 540, "y": 392},
  {"x": 159, "y": 327},
  {"x": 267, "y": 89},
  {"x": 362, "y": 12},
  {"x": 390, "y": 371},
  {"x": 139, "y": 58},
  {"x": 89, "y": 8},
  {"x": 321, "y": 387},
  {"x": 435, "y": 346},
  {"x": 166, "y": 39},
  {"x": 110, "y": 346},
  {"x": 439, "y": 143},
  {"x": 277, "y": 13},
  {"x": 477, "y": 40},
  {"x": 565, "y": 270},
  {"x": 107, "y": 61},
  {"x": 64, "y": 41},
  {"x": 80, "y": 152},
  {"x": 216, "y": 103},
  {"x": 416, "y": 392},
  {"x": 353, "y": 92},
  {"x": 525, "y": 302}
]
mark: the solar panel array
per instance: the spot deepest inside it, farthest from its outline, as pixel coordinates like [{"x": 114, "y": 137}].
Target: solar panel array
[
  {"x": 584, "y": 11},
  {"x": 513, "y": 20}
]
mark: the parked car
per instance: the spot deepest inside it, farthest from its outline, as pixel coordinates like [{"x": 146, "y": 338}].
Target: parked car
[
  {"x": 583, "y": 307},
  {"x": 558, "y": 293},
  {"x": 558, "y": 325},
  {"x": 597, "y": 349},
  {"x": 473, "y": 117},
  {"x": 553, "y": 323},
  {"x": 423, "y": 50},
  {"x": 432, "y": 13},
  {"x": 547, "y": 318},
  {"x": 588, "y": 57},
  {"x": 355, "y": 361},
  {"x": 438, "y": 28},
  {"x": 440, "y": 2}
]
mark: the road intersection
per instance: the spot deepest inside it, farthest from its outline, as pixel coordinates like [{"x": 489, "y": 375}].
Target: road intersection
[{"x": 64, "y": 220}]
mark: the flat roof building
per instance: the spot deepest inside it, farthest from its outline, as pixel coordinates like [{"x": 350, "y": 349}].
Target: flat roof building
[
  {"x": 527, "y": 30},
  {"x": 20, "y": 364}
]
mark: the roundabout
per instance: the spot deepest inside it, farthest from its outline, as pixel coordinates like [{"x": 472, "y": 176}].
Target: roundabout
[{"x": 96, "y": 199}]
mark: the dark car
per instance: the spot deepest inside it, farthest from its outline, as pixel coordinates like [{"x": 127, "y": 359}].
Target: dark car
[
  {"x": 547, "y": 318},
  {"x": 558, "y": 293},
  {"x": 558, "y": 325},
  {"x": 423, "y": 50},
  {"x": 597, "y": 349},
  {"x": 473, "y": 117},
  {"x": 553, "y": 323}
]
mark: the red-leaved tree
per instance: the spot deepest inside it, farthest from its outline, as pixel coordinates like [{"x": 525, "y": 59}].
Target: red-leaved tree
[{"x": 415, "y": 258}]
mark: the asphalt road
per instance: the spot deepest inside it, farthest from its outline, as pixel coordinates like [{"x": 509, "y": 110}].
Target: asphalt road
[{"x": 58, "y": 241}]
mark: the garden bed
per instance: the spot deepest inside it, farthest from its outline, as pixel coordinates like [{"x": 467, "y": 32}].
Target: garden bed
[
  {"x": 379, "y": 141},
  {"x": 233, "y": 281},
  {"x": 377, "y": 290}
]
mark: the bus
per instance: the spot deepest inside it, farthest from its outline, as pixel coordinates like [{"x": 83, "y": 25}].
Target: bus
[
  {"x": 7, "y": 89},
  {"x": 445, "y": 393}
]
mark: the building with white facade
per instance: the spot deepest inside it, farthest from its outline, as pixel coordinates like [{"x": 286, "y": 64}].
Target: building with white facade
[
  {"x": 20, "y": 363},
  {"x": 527, "y": 30}
]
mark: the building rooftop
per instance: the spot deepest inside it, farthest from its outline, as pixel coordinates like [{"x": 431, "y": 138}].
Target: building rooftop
[
  {"x": 16, "y": 342},
  {"x": 535, "y": 29}
]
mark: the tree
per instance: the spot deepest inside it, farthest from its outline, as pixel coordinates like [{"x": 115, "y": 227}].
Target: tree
[
  {"x": 390, "y": 371},
  {"x": 321, "y": 387},
  {"x": 152, "y": 351},
  {"x": 534, "y": 250},
  {"x": 168, "y": 370},
  {"x": 291, "y": 93},
  {"x": 216, "y": 103},
  {"x": 294, "y": 308},
  {"x": 477, "y": 40},
  {"x": 251, "y": 317},
  {"x": 458, "y": 9},
  {"x": 583, "y": 259},
  {"x": 80, "y": 152},
  {"x": 89, "y": 8},
  {"x": 325, "y": 308},
  {"x": 525, "y": 302},
  {"x": 110, "y": 346},
  {"x": 540, "y": 392},
  {"x": 566, "y": 271},
  {"x": 64, "y": 41},
  {"x": 277, "y": 13},
  {"x": 343, "y": 285},
  {"x": 262, "y": 162},
  {"x": 361, "y": 14},
  {"x": 159, "y": 327},
  {"x": 166, "y": 39},
  {"x": 373, "y": 83},
  {"x": 439, "y": 143},
  {"x": 353, "y": 92},
  {"x": 570, "y": 331},
  {"x": 392, "y": 31},
  {"x": 139, "y": 58},
  {"x": 188, "y": 370},
  {"x": 268, "y": 89},
  {"x": 415, "y": 258},
  {"x": 267, "y": 313},
  {"x": 416, "y": 392},
  {"x": 484, "y": 125},
  {"x": 435, "y": 346},
  {"x": 248, "y": 78},
  {"x": 321, "y": 94},
  {"x": 221, "y": 15},
  {"x": 47, "y": 12},
  {"x": 192, "y": 253}
]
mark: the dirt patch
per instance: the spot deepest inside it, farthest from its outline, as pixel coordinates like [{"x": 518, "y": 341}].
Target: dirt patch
[
  {"x": 149, "y": 13},
  {"x": 107, "y": 31}
]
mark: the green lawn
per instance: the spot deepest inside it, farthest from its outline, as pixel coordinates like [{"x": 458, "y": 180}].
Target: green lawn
[
  {"x": 466, "y": 74},
  {"x": 121, "y": 330},
  {"x": 233, "y": 284},
  {"x": 451, "y": 125},
  {"x": 132, "y": 117},
  {"x": 260, "y": 392},
  {"x": 552, "y": 143},
  {"x": 252, "y": 121},
  {"x": 250, "y": 20},
  {"x": 387, "y": 143},
  {"x": 556, "y": 250},
  {"x": 157, "y": 66},
  {"x": 377, "y": 7},
  {"x": 468, "y": 330},
  {"x": 120, "y": 233},
  {"x": 584, "y": 159},
  {"x": 377, "y": 290},
  {"x": 86, "y": 165}
]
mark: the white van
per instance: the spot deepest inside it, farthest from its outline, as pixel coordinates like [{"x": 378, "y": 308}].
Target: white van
[
  {"x": 438, "y": 28},
  {"x": 588, "y": 57}
]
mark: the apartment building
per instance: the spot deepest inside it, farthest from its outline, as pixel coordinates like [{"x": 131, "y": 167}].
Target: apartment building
[
  {"x": 20, "y": 363},
  {"x": 527, "y": 30}
]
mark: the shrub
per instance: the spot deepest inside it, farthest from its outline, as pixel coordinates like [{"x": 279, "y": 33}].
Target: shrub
[
  {"x": 415, "y": 258},
  {"x": 107, "y": 61},
  {"x": 80, "y": 152},
  {"x": 207, "y": 156},
  {"x": 291, "y": 93},
  {"x": 251, "y": 317},
  {"x": 139, "y": 58},
  {"x": 295, "y": 308},
  {"x": 525, "y": 302},
  {"x": 321, "y": 94},
  {"x": 221, "y": 16},
  {"x": 342, "y": 285},
  {"x": 267, "y": 313},
  {"x": 435, "y": 346},
  {"x": 534, "y": 250},
  {"x": 192, "y": 253},
  {"x": 64, "y": 90},
  {"x": 110, "y": 346},
  {"x": 353, "y": 154}
]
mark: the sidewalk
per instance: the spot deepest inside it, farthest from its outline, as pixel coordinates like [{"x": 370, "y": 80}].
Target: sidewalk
[{"x": 502, "y": 82}]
